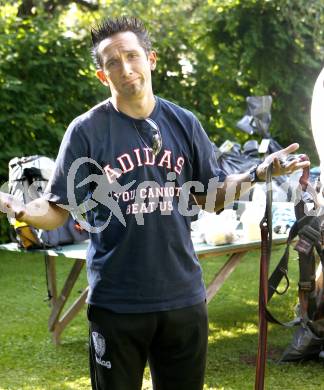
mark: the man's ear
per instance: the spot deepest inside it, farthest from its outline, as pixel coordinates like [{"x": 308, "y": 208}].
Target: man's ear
[
  {"x": 152, "y": 58},
  {"x": 102, "y": 77}
]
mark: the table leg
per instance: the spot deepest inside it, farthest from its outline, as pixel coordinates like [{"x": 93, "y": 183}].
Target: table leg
[
  {"x": 55, "y": 324},
  {"x": 69, "y": 315},
  {"x": 223, "y": 274},
  {"x": 51, "y": 278}
]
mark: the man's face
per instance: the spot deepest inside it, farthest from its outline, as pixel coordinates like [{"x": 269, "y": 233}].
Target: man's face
[{"x": 126, "y": 68}]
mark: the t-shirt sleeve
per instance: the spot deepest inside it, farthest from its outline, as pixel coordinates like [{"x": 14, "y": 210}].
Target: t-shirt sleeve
[
  {"x": 205, "y": 166},
  {"x": 71, "y": 168}
]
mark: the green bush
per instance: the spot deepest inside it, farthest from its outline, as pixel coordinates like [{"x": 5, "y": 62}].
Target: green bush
[{"x": 46, "y": 79}]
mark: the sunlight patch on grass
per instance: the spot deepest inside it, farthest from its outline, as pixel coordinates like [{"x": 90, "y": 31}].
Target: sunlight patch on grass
[
  {"x": 252, "y": 302},
  {"x": 78, "y": 384},
  {"x": 82, "y": 383},
  {"x": 223, "y": 334},
  {"x": 241, "y": 327},
  {"x": 147, "y": 384}
]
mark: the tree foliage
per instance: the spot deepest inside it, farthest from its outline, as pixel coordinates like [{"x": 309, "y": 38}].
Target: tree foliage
[
  {"x": 266, "y": 48},
  {"x": 45, "y": 80},
  {"x": 28, "y": 8},
  {"x": 214, "y": 54}
]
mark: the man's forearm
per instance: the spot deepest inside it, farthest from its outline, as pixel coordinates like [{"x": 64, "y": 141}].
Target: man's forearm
[
  {"x": 221, "y": 194},
  {"x": 42, "y": 214}
]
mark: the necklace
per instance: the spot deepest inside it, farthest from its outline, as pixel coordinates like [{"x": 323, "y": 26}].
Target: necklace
[{"x": 156, "y": 136}]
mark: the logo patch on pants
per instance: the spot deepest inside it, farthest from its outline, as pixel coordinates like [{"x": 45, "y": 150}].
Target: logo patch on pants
[{"x": 100, "y": 348}]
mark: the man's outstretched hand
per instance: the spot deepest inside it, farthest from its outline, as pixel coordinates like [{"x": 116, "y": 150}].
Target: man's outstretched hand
[{"x": 280, "y": 165}]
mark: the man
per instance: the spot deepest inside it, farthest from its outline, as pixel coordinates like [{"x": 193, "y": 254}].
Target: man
[{"x": 135, "y": 155}]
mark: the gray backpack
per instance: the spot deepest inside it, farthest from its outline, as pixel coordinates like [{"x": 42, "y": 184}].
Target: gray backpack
[{"x": 28, "y": 177}]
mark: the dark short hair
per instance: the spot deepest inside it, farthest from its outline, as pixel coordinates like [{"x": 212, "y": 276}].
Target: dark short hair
[{"x": 110, "y": 27}]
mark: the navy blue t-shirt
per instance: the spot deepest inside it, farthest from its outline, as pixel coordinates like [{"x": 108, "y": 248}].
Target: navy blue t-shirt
[{"x": 140, "y": 256}]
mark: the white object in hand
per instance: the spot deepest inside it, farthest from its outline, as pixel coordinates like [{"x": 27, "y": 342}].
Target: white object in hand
[{"x": 10, "y": 205}]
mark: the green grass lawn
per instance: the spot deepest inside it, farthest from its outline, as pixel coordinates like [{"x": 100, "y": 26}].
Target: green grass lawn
[{"x": 29, "y": 360}]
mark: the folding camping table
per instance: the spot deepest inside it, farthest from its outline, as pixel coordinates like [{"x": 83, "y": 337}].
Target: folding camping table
[{"x": 58, "y": 320}]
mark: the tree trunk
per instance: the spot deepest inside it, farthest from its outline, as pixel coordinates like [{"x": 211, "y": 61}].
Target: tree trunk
[
  {"x": 51, "y": 5},
  {"x": 25, "y": 8}
]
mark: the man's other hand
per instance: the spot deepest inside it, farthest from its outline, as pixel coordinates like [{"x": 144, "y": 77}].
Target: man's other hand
[{"x": 280, "y": 164}]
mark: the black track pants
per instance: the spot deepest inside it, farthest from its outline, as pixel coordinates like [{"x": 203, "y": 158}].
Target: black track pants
[{"x": 174, "y": 342}]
